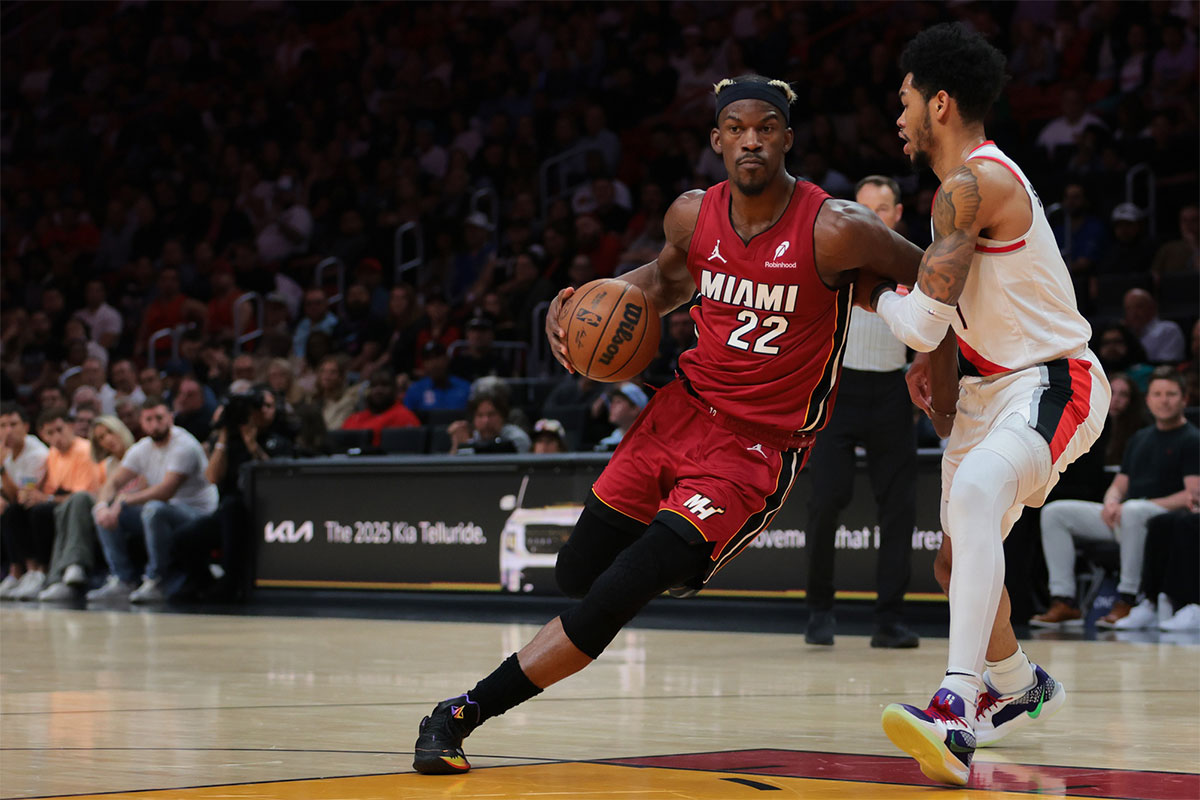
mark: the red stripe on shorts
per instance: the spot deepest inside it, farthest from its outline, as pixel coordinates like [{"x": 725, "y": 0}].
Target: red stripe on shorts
[{"x": 1077, "y": 408}]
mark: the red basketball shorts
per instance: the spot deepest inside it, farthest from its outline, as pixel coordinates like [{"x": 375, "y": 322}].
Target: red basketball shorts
[{"x": 677, "y": 466}]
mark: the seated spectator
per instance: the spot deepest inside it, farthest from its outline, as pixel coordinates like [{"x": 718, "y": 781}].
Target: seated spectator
[
  {"x": 286, "y": 230},
  {"x": 191, "y": 410},
  {"x": 1158, "y": 474},
  {"x": 487, "y": 429},
  {"x": 335, "y": 400},
  {"x": 625, "y": 402},
  {"x": 402, "y": 318},
  {"x": 1064, "y": 131},
  {"x": 103, "y": 321},
  {"x": 83, "y": 398},
  {"x": 172, "y": 464},
  {"x": 69, "y": 469},
  {"x": 150, "y": 381},
  {"x": 384, "y": 409},
  {"x": 362, "y": 333},
  {"x": 82, "y": 421},
  {"x": 1190, "y": 369},
  {"x": 169, "y": 308},
  {"x": 76, "y": 547},
  {"x": 438, "y": 389},
  {"x": 436, "y": 326},
  {"x": 52, "y": 396},
  {"x": 575, "y": 391},
  {"x": 122, "y": 376},
  {"x": 1129, "y": 250},
  {"x": 1087, "y": 233},
  {"x": 1182, "y": 254},
  {"x": 130, "y": 415},
  {"x": 281, "y": 378},
  {"x": 22, "y": 467},
  {"x": 1170, "y": 573},
  {"x": 549, "y": 436},
  {"x": 1120, "y": 351},
  {"x": 317, "y": 316},
  {"x": 478, "y": 359},
  {"x": 1161, "y": 338},
  {"x": 1126, "y": 416}
]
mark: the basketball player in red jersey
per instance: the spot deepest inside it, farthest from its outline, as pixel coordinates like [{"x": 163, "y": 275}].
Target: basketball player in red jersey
[
  {"x": 1032, "y": 398},
  {"x": 711, "y": 459}
]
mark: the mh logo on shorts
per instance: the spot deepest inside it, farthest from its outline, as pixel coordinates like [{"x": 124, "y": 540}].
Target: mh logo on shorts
[{"x": 699, "y": 505}]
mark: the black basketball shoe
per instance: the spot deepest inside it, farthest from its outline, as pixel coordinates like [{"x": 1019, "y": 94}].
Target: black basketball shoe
[{"x": 439, "y": 741}]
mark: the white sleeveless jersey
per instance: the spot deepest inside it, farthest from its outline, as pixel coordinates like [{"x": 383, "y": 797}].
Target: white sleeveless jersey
[{"x": 1018, "y": 306}]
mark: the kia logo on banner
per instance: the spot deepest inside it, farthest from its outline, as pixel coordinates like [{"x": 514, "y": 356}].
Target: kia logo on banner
[{"x": 286, "y": 532}]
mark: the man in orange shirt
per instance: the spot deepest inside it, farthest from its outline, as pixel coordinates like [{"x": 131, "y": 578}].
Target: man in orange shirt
[
  {"x": 384, "y": 409},
  {"x": 69, "y": 469}
]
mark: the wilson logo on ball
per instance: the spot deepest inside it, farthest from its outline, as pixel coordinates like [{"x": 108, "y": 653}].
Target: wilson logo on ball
[{"x": 625, "y": 330}]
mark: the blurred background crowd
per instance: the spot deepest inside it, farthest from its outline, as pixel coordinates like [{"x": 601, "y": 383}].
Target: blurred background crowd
[{"x": 349, "y": 218}]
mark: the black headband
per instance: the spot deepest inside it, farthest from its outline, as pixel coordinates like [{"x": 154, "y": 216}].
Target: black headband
[{"x": 752, "y": 90}]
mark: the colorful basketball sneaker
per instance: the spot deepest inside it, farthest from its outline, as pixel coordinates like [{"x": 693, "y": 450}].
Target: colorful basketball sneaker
[
  {"x": 939, "y": 737},
  {"x": 439, "y": 742},
  {"x": 998, "y": 715}
]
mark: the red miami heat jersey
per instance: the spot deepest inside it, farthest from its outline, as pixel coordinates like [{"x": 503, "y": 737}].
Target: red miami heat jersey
[{"x": 770, "y": 333}]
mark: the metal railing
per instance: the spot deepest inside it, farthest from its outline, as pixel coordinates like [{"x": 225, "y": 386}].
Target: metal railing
[
  {"x": 516, "y": 354},
  {"x": 541, "y": 360},
  {"x": 160, "y": 334},
  {"x": 260, "y": 312},
  {"x": 1150, "y": 207},
  {"x": 553, "y": 177},
  {"x": 402, "y": 260},
  {"x": 340, "y": 276}
]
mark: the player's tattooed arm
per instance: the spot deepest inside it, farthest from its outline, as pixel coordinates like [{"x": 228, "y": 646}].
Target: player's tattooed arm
[{"x": 957, "y": 220}]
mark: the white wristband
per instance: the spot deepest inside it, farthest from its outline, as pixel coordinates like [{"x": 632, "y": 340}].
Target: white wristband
[{"x": 915, "y": 319}]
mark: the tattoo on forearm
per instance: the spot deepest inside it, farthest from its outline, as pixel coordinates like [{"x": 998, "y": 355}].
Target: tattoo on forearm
[{"x": 946, "y": 263}]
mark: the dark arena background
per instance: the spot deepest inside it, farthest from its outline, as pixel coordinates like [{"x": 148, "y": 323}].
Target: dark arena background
[{"x": 326, "y": 235}]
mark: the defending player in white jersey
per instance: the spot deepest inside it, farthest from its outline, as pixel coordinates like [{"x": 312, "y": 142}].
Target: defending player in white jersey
[{"x": 1033, "y": 397}]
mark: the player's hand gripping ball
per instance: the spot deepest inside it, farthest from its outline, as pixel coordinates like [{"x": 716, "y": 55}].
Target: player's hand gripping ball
[{"x": 612, "y": 330}]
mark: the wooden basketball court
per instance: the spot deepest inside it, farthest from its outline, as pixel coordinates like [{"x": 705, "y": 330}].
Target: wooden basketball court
[{"x": 161, "y": 705}]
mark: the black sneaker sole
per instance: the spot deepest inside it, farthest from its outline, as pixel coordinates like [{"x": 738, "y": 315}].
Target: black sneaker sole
[{"x": 440, "y": 762}]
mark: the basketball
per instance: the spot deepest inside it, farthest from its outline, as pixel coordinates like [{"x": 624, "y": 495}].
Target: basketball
[{"x": 611, "y": 330}]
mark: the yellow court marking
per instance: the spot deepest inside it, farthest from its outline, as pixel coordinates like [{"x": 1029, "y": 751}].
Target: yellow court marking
[{"x": 571, "y": 781}]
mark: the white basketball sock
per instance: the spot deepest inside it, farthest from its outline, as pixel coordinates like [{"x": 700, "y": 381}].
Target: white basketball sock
[
  {"x": 966, "y": 685},
  {"x": 1012, "y": 675}
]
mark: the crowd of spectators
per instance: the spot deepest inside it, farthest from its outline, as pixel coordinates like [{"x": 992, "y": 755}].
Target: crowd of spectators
[{"x": 161, "y": 161}]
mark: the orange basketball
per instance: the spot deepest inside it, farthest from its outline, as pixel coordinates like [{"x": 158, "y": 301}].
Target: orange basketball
[{"x": 611, "y": 330}]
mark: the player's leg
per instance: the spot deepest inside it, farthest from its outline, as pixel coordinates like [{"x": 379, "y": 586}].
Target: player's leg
[
  {"x": 1016, "y": 691},
  {"x": 568, "y": 643},
  {"x": 596, "y": 540},
  {"x": 831, "y": 465},
  {"x": 980, "y": 499}
]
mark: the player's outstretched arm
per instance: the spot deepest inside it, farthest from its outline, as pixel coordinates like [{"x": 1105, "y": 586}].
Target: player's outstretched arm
[
  {"x": 849, "y": 237},
  {"x": 665, "y": 280},
  {"x": 969, "y": 199}
]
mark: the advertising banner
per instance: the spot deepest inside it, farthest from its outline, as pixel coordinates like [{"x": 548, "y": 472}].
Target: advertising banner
[{"x": 495, "y": 523}]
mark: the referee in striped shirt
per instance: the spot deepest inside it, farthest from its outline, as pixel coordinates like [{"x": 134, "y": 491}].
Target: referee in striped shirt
[{"x": 872, "y": 410}]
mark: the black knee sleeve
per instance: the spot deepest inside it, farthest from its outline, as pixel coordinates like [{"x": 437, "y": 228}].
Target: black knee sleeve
[
  {"x": 593, "y": 545},
  {"x": 658, "y": 560}
]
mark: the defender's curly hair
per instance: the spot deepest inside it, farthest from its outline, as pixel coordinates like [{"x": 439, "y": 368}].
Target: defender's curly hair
[{"x": 962, "y": 63}]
